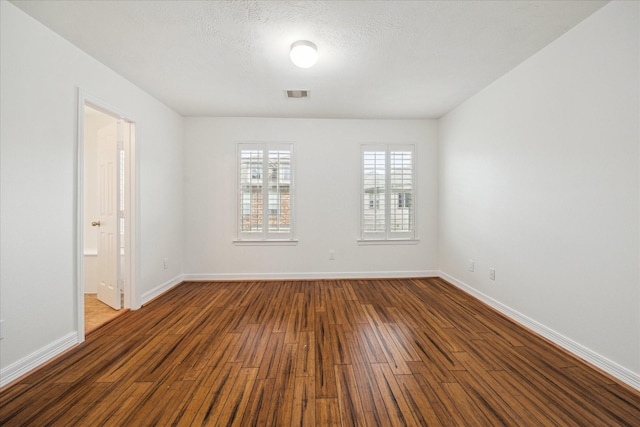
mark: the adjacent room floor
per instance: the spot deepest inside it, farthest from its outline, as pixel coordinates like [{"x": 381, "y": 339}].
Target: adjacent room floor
[{"x": 97, "y": 313}]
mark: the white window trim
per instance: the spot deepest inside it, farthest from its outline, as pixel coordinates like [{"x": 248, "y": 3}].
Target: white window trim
[
  {"x": 367, "y": 242},
  {"x": 263, "y": 238},
  {"x": 266, "y": 242},
  {"x": 388, "y": 237}
]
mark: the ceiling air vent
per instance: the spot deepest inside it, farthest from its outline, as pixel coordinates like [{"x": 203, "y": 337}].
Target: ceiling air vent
[{"x": 297, "y": 94}]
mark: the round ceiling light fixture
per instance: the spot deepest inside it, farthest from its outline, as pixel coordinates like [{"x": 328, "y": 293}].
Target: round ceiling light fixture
[{"x": 304, "y": 53}]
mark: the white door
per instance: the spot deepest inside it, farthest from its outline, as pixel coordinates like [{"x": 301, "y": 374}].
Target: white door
[{"x": 108, "y": 235}]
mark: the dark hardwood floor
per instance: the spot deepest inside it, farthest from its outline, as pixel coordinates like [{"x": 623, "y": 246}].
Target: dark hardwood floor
[{"x": 328, "y": 353}]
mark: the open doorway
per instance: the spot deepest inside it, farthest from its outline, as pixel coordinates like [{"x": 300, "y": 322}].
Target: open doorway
[{"x": 106, "y": 211}]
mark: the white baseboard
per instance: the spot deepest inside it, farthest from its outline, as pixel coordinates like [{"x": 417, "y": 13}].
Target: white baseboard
[
  {"x": 312, "y": 276},
  {"x": 48, "y": 352},
  {"x": 601, "y": 362},
  {"x": 37, "y": 358},
  {"x": 159, "y": 290}
]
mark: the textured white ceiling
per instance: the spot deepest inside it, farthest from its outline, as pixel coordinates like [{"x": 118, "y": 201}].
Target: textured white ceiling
[{"x": 377, "y": 59}]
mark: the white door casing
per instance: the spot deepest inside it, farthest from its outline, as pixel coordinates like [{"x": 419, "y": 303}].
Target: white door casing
[
  {"x": 108, "y": 218},
  {"x": 128, "y": 268},
  {"x": 125, "y": 135}
]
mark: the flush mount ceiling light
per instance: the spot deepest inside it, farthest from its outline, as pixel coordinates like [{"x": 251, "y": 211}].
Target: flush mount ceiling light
[{"x": 304, "y": 53}]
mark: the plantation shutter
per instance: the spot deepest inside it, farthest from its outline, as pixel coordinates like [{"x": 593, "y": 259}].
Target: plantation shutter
[
  {"x": 374, "y": 184},
  {"x": 401, "y": 192},
  {"x": 265, "y": 202},
  {"x": 387, "y": 196}
]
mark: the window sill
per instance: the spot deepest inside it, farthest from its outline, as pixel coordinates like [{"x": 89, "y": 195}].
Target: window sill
[
  {"x": 367, "y": 242},
  {"x": 273, "y": 242}
]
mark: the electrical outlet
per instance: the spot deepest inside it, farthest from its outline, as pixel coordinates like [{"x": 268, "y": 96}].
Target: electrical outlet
[
  {"x": 332, "y": 254},
  {"x": 471, "y": 265},
  {"x": 166, "y": 263},
  {"x": 492, "y": 274}
]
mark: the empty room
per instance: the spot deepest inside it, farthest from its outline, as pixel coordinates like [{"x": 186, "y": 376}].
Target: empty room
[{"x": 319, "y": 213}]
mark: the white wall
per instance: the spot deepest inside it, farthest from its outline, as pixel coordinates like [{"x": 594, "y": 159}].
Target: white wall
[
  {"x": 327, "y": 177},
  {"x": 40, "y": 74},
  {"x": 539, "y": 179}
]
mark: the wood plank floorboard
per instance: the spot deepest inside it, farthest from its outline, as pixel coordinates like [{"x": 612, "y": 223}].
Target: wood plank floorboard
[{"x": 392, "y": 352}]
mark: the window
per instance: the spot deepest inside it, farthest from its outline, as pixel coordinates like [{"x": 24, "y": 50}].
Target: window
[
  {"x": 387, "y": 175},
  {"x": 373, "y": 203},
  {"x": 404, "y": 200},
  {"x": 258, "y": 221},
  {"x": 256, "y": 173}
]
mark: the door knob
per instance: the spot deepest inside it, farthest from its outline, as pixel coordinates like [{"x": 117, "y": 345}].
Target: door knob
[{"x": 96, "y": 223}]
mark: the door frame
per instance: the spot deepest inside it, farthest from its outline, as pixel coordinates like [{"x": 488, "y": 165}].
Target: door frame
[{"x": 131, "y": 274}]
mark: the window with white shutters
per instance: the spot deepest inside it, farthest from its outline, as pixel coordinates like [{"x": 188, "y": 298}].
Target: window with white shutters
[
  {"x": 388, "y": 189},
  {"x": 265, "y": 191}
]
